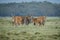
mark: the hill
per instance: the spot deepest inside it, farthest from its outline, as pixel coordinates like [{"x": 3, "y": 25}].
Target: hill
[{"x": 30, "y": 8}]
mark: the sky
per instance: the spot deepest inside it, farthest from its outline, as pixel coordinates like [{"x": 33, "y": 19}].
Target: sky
[{"x": 18, "y": 1}]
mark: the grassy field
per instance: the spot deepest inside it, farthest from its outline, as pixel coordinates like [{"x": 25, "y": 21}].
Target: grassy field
[{"x": 50, "y": 31}]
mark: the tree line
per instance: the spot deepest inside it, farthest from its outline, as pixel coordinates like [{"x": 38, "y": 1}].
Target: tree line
[{"x": 30, "y": 8}]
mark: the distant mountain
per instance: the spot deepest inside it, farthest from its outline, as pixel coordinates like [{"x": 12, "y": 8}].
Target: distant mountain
[{"x": 30, "y": 8}]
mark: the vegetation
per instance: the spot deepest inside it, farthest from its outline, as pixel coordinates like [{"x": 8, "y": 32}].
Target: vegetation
[
  {"x": 30, "y": 8},
  {"x": 50, "y": 31}
]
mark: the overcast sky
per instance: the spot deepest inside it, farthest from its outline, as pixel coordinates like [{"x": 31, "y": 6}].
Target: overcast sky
[{"x": 18, "y": 1}]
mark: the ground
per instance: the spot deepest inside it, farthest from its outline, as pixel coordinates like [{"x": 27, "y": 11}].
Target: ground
[{"x": 50, "y": 31}]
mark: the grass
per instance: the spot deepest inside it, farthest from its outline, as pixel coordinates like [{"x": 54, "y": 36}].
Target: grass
[{"x": 50, "y": 31}]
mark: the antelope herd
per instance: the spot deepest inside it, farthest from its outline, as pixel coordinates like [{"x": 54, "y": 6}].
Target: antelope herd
[{"x": 17, "y": 20}]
